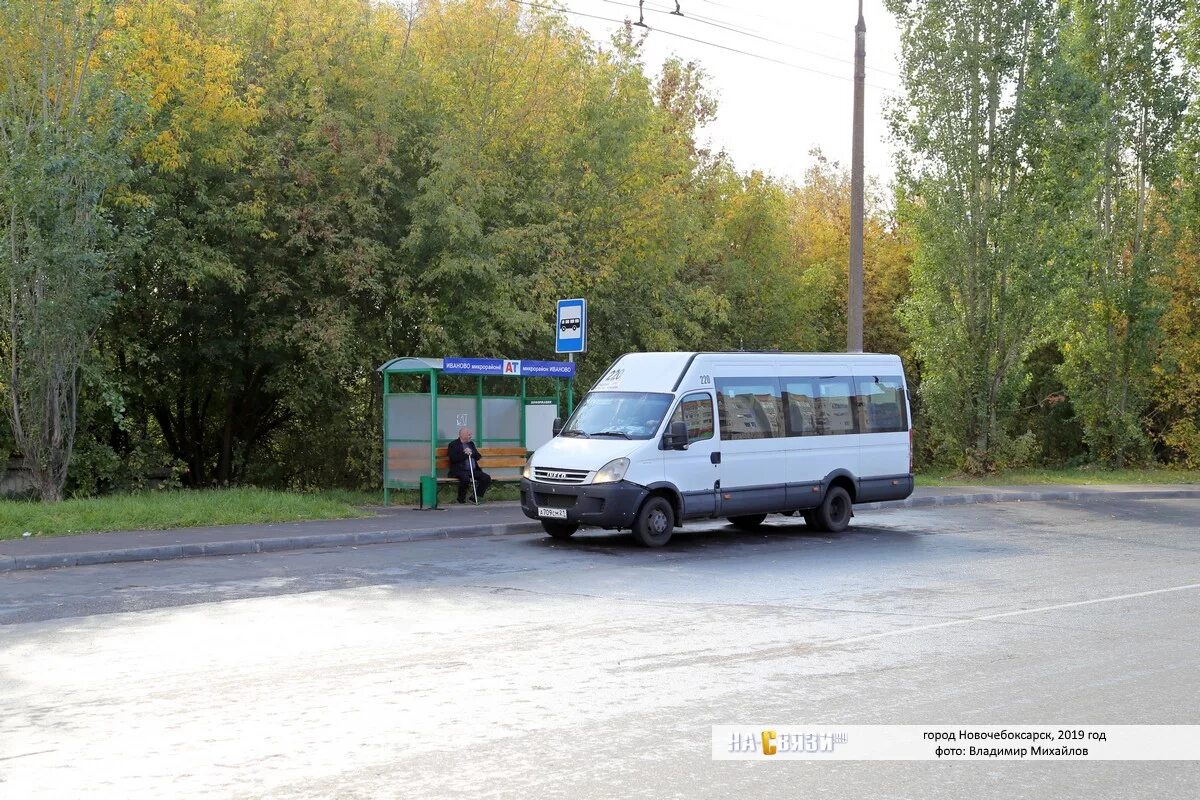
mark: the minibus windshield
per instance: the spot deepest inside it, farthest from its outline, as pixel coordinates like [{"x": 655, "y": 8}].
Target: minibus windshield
[{"x": 621, "y": 415}]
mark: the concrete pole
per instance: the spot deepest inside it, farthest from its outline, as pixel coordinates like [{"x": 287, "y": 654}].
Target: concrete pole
[{"x": 854, "y": 312}]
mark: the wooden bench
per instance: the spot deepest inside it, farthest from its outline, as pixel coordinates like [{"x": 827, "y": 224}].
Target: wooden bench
[
  {"x": 508, "y": 458},
  {"x": 504, "y": 464},
  {"x": 491, "y": 460}
]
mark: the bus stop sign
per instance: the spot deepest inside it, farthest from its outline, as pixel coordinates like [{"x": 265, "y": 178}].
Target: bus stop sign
[{"x": 570, "y": 330}]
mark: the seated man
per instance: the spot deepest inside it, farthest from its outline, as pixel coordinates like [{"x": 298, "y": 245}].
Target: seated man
[{"x": 464, "y": 460}]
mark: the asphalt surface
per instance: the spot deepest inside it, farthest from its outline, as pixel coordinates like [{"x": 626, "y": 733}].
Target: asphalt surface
[{"x": 518, "y": 666}]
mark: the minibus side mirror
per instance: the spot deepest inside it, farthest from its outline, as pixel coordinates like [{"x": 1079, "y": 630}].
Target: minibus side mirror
[
  {"x": 558, "y": 425},
  {"x": 677, "y": 437}
]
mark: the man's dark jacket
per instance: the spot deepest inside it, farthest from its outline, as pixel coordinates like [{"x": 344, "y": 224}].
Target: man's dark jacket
[{"x": 458, "y": 459}]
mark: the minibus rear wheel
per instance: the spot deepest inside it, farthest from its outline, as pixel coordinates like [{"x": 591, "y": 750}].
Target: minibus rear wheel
[
  {"x": 833, "y": 515},
  {"x": 655, "y": 521},
  {"x": 747, "y": 522},
  {"x": 560, "y": 530}
]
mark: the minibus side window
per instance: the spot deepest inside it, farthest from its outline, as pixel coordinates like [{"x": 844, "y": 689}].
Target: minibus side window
[
  {"x": 696, "y": 410},
  {"x": 749, "y": 408},
  {"x": 835, "y": 406},
  {"x": 882, "y": 403},
  {"x": 800, "y": 398}
]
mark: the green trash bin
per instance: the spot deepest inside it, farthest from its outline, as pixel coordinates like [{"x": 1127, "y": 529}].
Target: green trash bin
[{"x": 428, "y": 491}]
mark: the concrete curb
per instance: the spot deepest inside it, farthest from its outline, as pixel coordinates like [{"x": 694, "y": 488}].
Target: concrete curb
[
  {"x": 278, "y": 544},
  {"x": 1023, "y": 497},
  {"x": 239, "y": 547}
]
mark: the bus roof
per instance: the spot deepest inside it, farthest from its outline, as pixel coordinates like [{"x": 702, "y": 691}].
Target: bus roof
[{"x": 662, "y": 372}]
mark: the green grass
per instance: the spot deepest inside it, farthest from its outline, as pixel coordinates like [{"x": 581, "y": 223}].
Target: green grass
[
  {"x": 1081, "y": 476},
  {"x": 358, "y": 497},
  {"x": 185, "y": 509},
  {"x": 174, "y": 509}
]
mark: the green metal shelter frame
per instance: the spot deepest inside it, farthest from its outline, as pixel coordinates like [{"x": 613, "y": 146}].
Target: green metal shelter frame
[{"x": 425, "y": 448}]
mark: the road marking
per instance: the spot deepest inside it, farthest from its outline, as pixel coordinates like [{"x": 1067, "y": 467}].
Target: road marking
[
  {"x": 25, "y": 755},
  {"x": 1003, "y": 614},
  {"x": 791, "y": 650}
]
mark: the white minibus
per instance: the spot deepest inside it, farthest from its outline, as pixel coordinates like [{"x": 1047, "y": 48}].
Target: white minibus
[{"x": 667, "y": 437}]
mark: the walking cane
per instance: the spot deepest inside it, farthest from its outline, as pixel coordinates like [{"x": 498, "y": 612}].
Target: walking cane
[{"x": 471, "y": 468}]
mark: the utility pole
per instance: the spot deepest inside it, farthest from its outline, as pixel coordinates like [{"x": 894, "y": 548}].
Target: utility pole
[{"x": 854, "y": 312}]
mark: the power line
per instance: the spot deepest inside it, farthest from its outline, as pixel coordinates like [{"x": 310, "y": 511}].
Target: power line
[
  {"x": 703, "y": 42},
  {"x": 742, "y": 10},
  {"x": 567, "y": 11},
  {"x": 757, "y": 33},
  {"x": 744, "y": 31},
  {"x": 762, "y": 57}
]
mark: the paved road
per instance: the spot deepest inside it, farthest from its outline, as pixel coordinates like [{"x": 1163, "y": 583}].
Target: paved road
[{"x": 519, "y": 666}]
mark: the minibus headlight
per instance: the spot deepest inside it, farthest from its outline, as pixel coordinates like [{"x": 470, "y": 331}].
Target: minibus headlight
[
  {"x": 612, "y": 471},
  {"x": 527, "y": 471}
]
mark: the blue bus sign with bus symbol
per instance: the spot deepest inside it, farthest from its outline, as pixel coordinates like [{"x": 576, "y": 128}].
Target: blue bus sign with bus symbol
[{"x": 570, "y": 330}]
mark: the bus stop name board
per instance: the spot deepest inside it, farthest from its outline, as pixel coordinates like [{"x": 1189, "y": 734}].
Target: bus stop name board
[{"x": 510, "y": 368}]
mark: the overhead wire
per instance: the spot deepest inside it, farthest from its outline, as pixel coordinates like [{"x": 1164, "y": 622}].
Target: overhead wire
[
  {"x": 753, "y": 34},
  {"x": 741, "y": 9},
  {"x": 677, "y": 35},
  {"x": 558, "y": 10}
]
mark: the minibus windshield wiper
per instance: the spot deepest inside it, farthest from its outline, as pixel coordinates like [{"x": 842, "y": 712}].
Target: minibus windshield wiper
[
  {"x": 612, "y": 433},
  {"x": 575, "y": 432}
]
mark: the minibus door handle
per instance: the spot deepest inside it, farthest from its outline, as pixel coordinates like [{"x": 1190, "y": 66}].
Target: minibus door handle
[{"x": 715, "y": 457}]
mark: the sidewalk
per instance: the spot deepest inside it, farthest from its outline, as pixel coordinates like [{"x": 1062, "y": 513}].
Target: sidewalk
[{"x": 402, "y": 524}]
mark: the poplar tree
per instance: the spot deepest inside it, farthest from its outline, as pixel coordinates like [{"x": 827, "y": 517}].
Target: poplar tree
[
  {"x": 976, "y": 186},
  {"x": 1127, "y": 53}
]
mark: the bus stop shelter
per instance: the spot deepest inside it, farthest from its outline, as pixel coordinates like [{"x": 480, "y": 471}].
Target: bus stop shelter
[{"x": 508, "y": 403}]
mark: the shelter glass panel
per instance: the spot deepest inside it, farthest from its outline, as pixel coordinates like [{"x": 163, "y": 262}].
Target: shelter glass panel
[
  {"x": 408, "y": 416},
  {"x": 454, "y": 413},
  {"x": 501, "y": 418}
]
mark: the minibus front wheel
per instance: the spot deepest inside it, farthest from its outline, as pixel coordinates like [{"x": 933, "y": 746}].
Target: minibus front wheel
[
  {"x": 560, "y": 530},
  {"x": 655, "y": 521}
]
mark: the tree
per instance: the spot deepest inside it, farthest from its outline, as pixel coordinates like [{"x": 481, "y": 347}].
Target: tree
[
  {"x": 1176, "y": 409},
  {"x": 975, "y": 174},
  {"x": 820, "y": 231},
  {"x": 242, "y": 308},
  {"x": 1127, "y": 53},
  {"x": 756, "y": 276},
  {"x": 62, "y": 139}
]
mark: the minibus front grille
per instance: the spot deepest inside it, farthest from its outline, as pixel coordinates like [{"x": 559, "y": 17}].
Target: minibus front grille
[{"x": 553, "y": 475}]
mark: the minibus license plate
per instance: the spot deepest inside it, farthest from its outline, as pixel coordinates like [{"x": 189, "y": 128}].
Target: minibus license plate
[{"x": 553, "y": 513}]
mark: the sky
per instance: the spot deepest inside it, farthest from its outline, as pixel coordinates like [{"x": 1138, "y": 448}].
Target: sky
[{"x": 771, "y": 115}]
